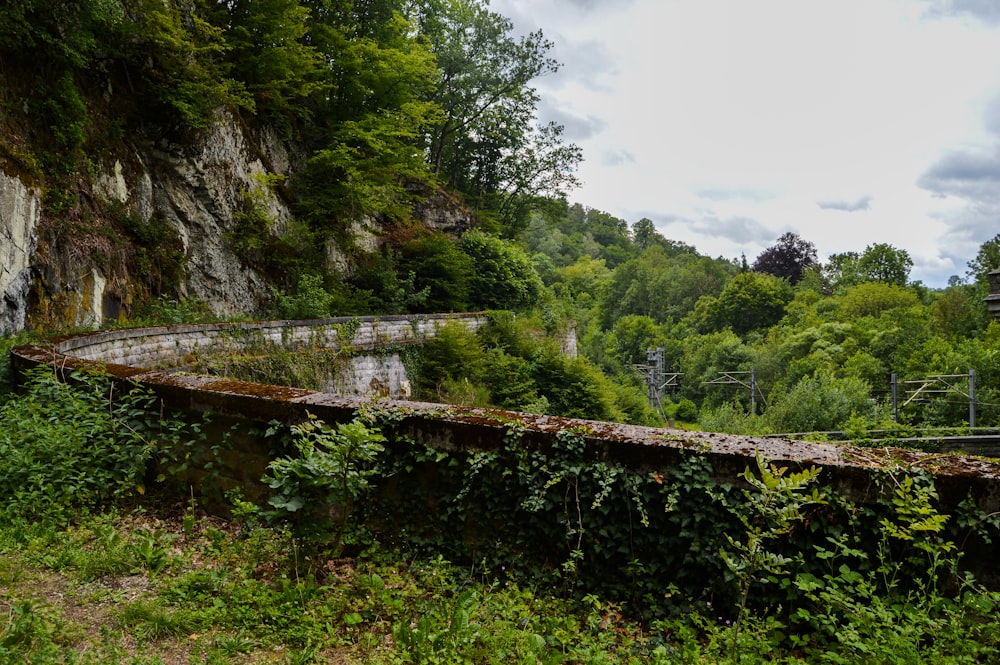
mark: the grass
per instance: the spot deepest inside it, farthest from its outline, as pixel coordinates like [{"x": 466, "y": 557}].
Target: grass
[{"x": 143, "y": 588}]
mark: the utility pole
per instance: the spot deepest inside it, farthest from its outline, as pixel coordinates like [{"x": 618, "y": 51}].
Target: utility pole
[
  {"x": 745, "y": 379},
  {"x": 972, "y": 398},
  {"x": 657, "y": 378},
  {"x": 894, "y": 384}
]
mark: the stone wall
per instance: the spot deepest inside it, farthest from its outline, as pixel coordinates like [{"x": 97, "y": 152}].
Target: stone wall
[
  {"x": 367, "y": 374},
  {"x": 127, "y": 355}
]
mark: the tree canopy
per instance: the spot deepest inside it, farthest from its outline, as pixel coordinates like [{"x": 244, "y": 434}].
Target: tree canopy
[{"x": 788, "y": 258}]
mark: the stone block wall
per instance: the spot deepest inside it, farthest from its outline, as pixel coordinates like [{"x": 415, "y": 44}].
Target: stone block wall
[
  {"x": 170, "y": 346},
  {"x": 127, "y": 355}
]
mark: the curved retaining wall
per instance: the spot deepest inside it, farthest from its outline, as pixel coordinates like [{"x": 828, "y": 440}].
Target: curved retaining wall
[{"x": 146, "y": 356}]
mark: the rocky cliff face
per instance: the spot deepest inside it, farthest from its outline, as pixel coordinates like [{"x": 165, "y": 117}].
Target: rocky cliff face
[
  {"x": 19, "y": 214},
  {"x": 53, "y": 276},
  {"x": 197, "y": 188}
]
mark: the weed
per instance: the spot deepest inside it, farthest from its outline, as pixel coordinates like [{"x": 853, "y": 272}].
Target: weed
[
  {"x": 774, "y": 506},
  {"x": 329, "y": 475}
]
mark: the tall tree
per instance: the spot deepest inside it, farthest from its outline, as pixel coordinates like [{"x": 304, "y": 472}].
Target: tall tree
[
  {"x": 882, "y": 262},
  {"x": 788, "y": 258},
  {"x": 271, "y": 52},
  {"x": 987, "y": 259},
  {"x": 368, "y": 131},
  {"x": 486, "y": 143}
]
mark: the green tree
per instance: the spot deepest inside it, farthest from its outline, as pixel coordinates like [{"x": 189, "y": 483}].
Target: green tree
[
  {"x": 485, "y": 144},
  {"x": 958, "y": 312},
  {"x": 185, "y": 66},
  {"x": 631, "y": 337},
  {"x": 453, "y": 353},
  {"x": 268, "y": 42},
  {"x": 662, "y": 285},
  {"x": 986, "y": 260},
  {"x": 703, "y": 357},
  {"x": 819, "y": 403},
  {"x": 750, "y": 301},
  {"x": 504, "y": 277},
  {"x": 842, "y": 271},
  {"x": 882, "y": 262},
  {"x": 875, "y": 298},
  {"x": 644, "y": 233},
  {"x": 367, "y": 133},
  {"x": 574, "y": 387},
  {"x": 437, "y": 265}
]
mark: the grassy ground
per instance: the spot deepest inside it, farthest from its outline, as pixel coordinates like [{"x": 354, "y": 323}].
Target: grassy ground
[{"x": 186, "y": 588}]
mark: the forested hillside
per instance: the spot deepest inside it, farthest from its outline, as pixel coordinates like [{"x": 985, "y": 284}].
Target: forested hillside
[
  {"x": 386, "y": 109},
  {"x": 821, "y": 338},
  {"x": 381, "y": 108}
]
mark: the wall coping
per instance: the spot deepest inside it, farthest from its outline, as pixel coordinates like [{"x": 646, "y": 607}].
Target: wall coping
[{"x": 848, "y": 469}]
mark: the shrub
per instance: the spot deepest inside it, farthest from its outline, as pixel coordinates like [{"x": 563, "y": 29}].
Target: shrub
[
  {"x": 819, "y": 403},
  {"x": 67, "y": 447}
]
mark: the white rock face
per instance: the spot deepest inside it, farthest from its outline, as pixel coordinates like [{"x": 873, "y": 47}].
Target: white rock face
[
  {"x": 198, "y": 191},
  {"x": 19, "y": 211},
  {"x": 196, "y": 186}
]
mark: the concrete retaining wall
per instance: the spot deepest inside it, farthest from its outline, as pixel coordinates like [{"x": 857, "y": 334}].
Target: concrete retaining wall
[
  {"x": 127, "y": 354},
  {"x": 171, "y": 346}
]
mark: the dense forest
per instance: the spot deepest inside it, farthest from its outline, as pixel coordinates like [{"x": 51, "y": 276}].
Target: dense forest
[{"x": 391, "y": 100}]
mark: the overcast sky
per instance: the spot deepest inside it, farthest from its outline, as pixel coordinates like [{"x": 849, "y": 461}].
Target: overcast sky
[{"x": 730, "y": 122}]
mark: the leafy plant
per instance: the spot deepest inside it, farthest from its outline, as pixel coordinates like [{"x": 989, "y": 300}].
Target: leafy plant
[
  {"x": 317, "y": 489},
  {"x": 774, "y": 505},
  {"x": 69, "y": 447}
]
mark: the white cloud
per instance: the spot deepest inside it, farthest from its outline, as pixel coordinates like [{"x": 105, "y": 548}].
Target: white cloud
[
  {"x": 863, "y": 203},
  {"x": 783, "y": 115}
]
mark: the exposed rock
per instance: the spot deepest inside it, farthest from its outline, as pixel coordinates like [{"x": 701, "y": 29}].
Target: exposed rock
[
  {"x": 198, "y": 188},
  {"x": 364, "y": 239},
  {"x": 441, "y": 211},
  {"x": 51, "y": 277},
  {"x": 19, "y": 214}
]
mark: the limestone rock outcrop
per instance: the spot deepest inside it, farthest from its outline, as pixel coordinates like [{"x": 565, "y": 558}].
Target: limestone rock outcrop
[{"x": 19, "y": 214}]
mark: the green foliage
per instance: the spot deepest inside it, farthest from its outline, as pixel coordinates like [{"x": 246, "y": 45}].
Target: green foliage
[
  {"x": 986, "y": 260},
  {"x": 310, "y": 301},
  {"x": 575, "y": 388},
  {"x": 880, "y": 262},
  {"x": 769, "y": 574},
  {"x": 875, "y": 299},
  {"x": 268, "y": 46},
  {"x": 750, "y": 301},
  {"x": 317, "y": 489},
  {"x": 437, "y": 265},
  {"x": 159, "y": 262},
  {"x": 483, "y": 143},
  {"x": 662, "y": 283},
  {"x": 183, "y": 58},
  {"x": 818, "y": 403},
  {"x": 774, "y": 507},
  {"x": 69, "y": 448},
  {"x": 454, "y": 353},
  {"x": 686, "y": 411},
  {"x": 504, "y": 277}
]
